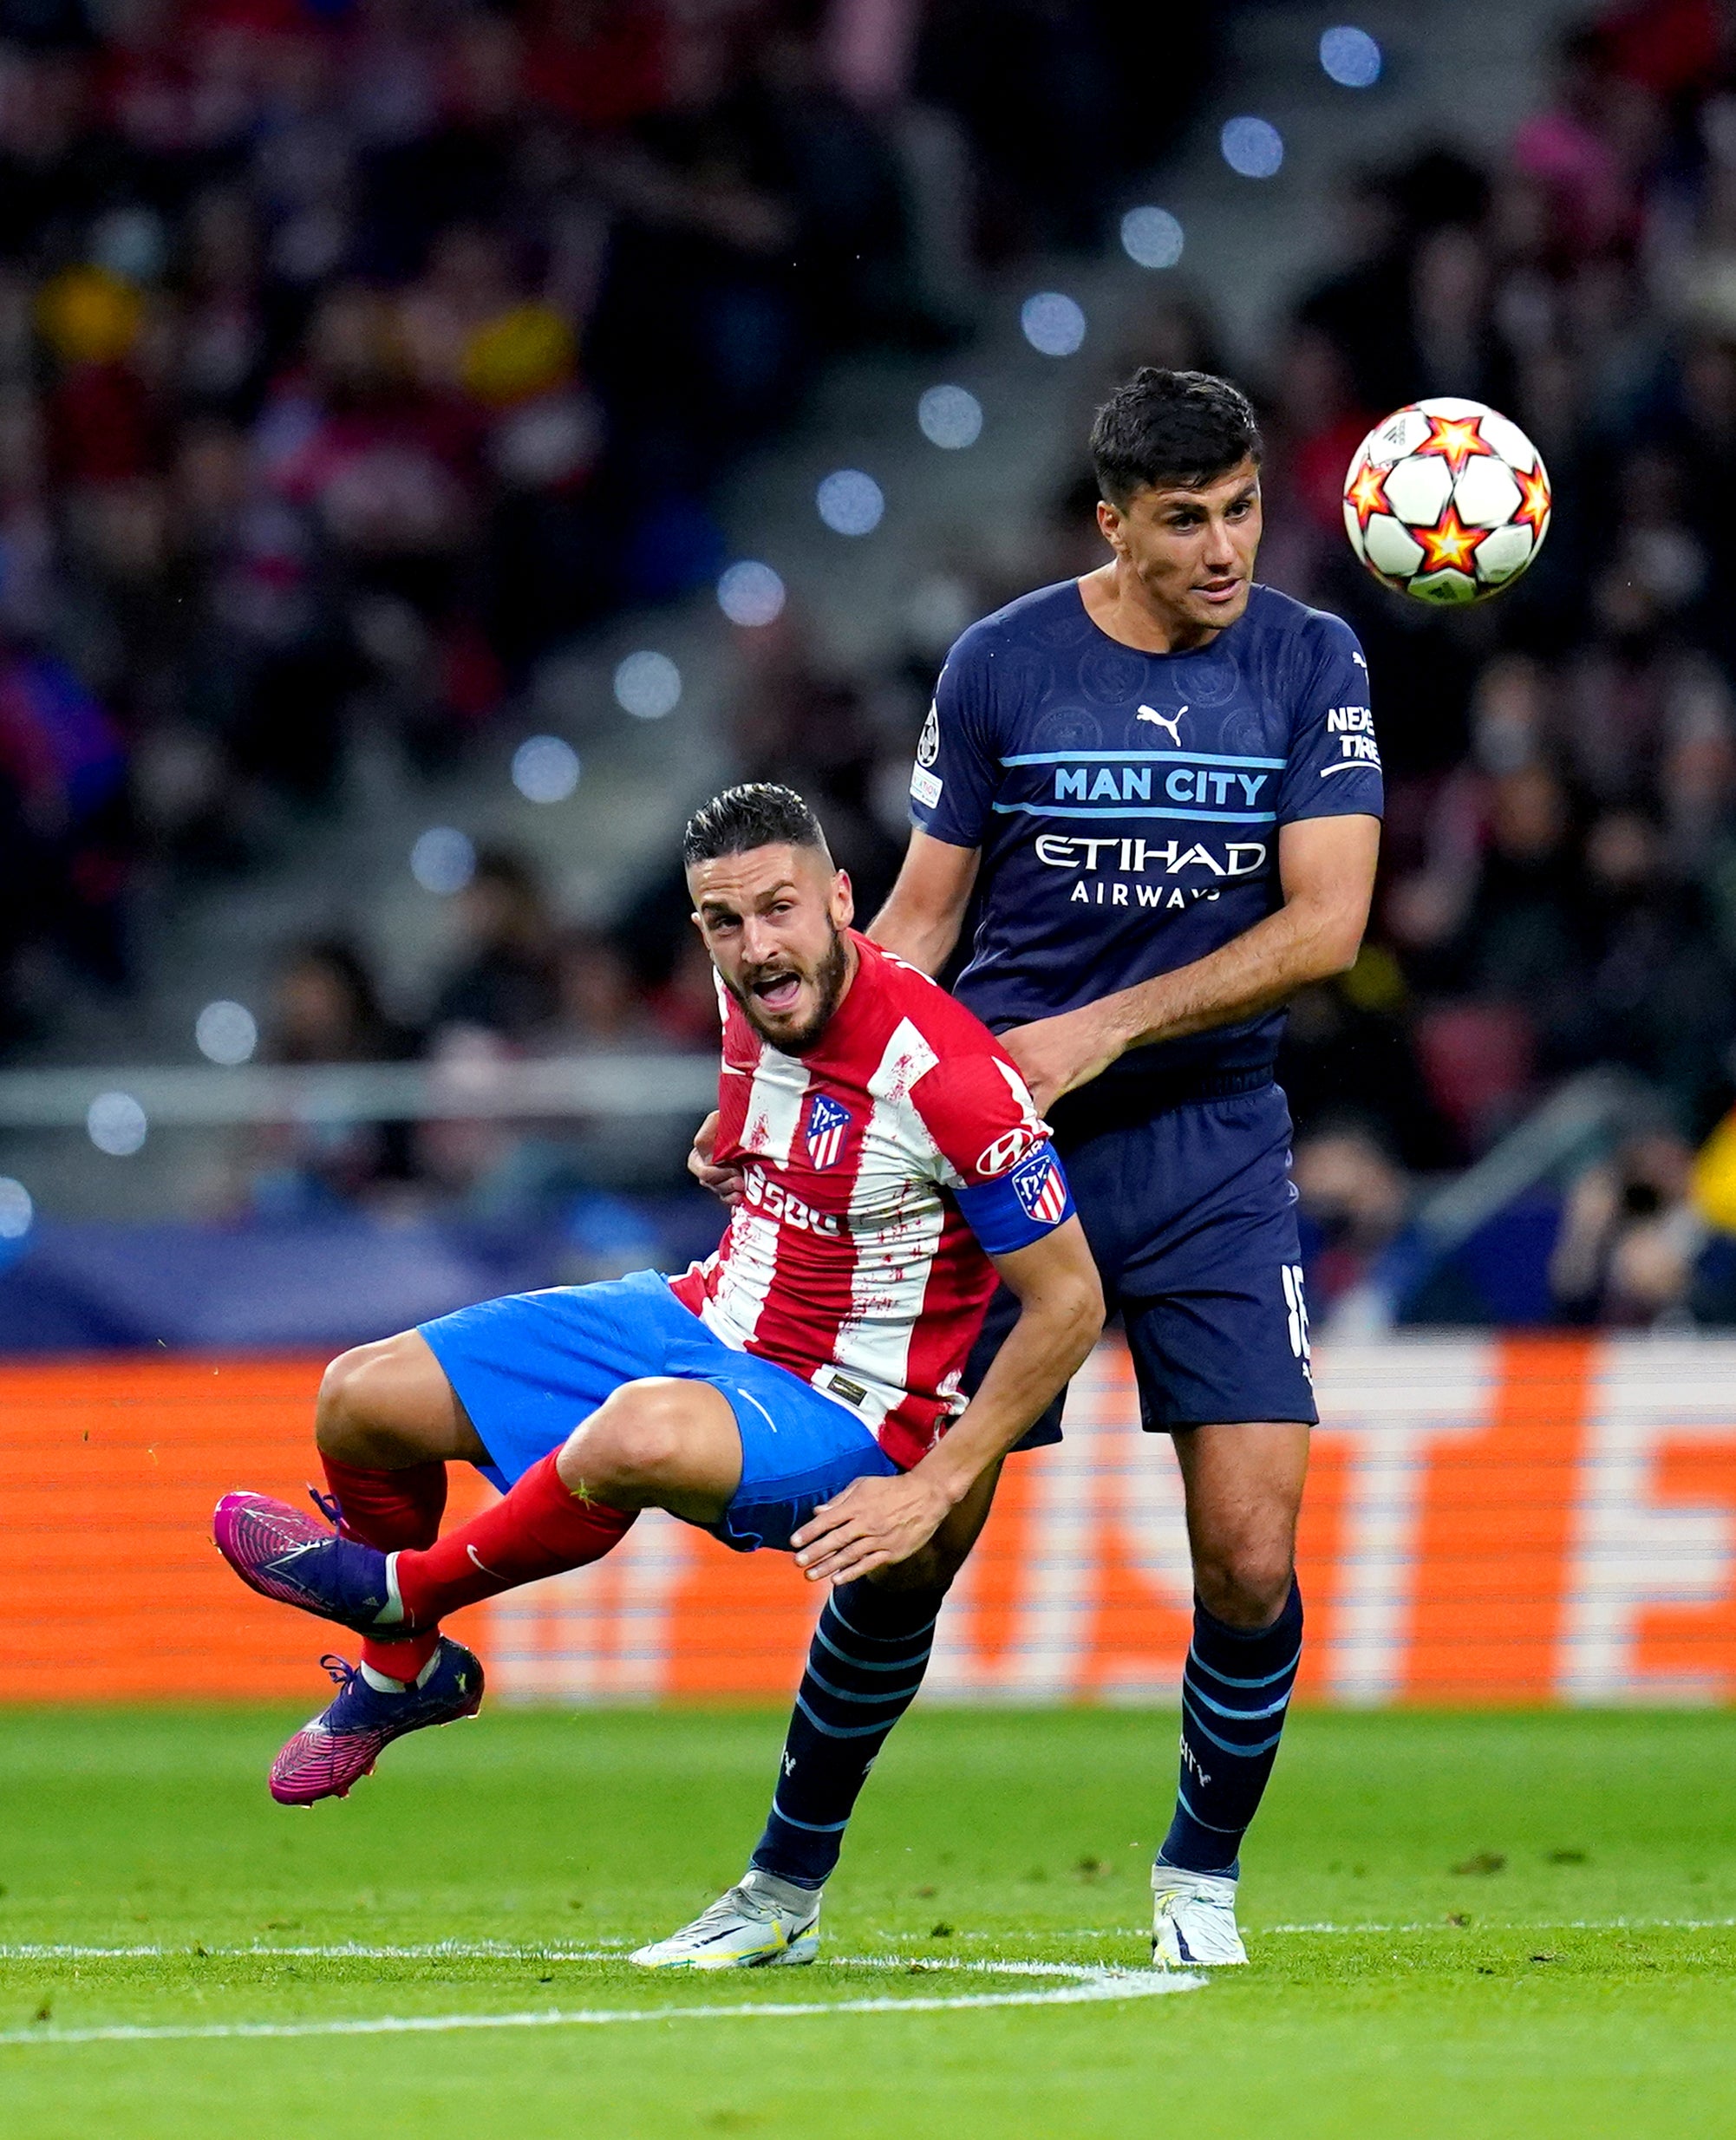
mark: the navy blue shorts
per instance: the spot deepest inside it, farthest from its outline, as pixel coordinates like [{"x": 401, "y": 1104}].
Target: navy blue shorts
[
  {"x": 1190, "y": 1216},
  {"x": 530, "y": 1367}
]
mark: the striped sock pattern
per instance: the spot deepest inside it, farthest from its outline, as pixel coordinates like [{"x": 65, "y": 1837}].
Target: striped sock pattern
[
  {"x": 1235, "y": 1694},
  {"x": 864, "y": 1666}
]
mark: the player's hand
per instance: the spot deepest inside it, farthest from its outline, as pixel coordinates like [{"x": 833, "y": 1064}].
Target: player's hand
[
  {"x": 873, "y": 1523},
  {"x": 724, "y": 1182},
  {"x": 1057, "y": 1055}
]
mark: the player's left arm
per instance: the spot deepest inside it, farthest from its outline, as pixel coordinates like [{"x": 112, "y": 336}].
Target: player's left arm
[
  {"x": 1325, "y": 872},
  {"x": 876, "y": 1522}
]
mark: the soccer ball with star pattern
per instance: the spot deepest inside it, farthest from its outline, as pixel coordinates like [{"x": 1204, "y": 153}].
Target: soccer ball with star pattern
[{"x": 1447, "y": 501}]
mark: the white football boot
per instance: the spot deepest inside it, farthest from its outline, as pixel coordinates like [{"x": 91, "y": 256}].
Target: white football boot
[
  {"x": 1193, "y": 1921},
  {"x": 762, "y": 1923}
]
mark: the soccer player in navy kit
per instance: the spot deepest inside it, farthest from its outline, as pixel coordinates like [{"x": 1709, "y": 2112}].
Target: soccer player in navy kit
[{"x": 1159, "y": 786}]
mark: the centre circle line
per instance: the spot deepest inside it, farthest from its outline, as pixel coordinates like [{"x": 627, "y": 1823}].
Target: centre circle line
[{"x": 1082, "y": 1984}]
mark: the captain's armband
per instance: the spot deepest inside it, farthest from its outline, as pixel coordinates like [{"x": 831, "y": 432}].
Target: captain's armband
[{"x": 1020, "y": 1206}]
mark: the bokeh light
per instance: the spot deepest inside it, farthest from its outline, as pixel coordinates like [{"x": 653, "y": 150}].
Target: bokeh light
[
  {"x": 751, "y": 593},
  {"x": 1351, "y": 56},
  {"x": 545, "y": 769},
  {"x": 950, "y": 416},
  {"x": 117, "y": 1125},
  {"x": 443, "y": 860},
  {"x": 226, "y": 1032},
  {"x": 648, "y": 686},
  {"x": 1252, "y": 147},
  {"x": 1053, "y": 322},
  {"x": 16, "y": 1210},
  {"x": 1153, "y": 237},
  {"x": 850, "y": 502}
]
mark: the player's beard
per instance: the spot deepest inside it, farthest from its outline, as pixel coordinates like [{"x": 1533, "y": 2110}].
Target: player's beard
[{"x": 827, "y": 980}]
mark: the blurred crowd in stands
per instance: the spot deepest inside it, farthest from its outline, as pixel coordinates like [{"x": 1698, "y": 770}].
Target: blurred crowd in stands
[{"x": 354, "y": 352}]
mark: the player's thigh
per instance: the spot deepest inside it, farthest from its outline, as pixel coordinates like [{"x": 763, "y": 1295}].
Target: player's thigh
[
  {"x": 389, "y": 1405},
  {"x": 664, "y": 1441},
  {"x": 1215, "y": 1318},
  {"x": 529, "y": 1368},
  {"x": 1243, "y": 1482}
]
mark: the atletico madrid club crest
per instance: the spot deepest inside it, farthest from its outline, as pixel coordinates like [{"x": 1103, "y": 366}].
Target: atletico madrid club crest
[
  {"x": 828, "y": 1123},
  {"x": 1043, "y": 1189}
]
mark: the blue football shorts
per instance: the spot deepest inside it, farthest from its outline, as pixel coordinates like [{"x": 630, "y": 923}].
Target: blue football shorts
[
  {"x": 1190, "y": 1216},
  {"x": 531, "y": 1366}
]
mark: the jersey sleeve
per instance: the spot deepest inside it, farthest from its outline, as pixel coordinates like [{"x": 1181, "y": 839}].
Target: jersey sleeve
[
  {"x": 1334, "y": 767},
  {"x": 953, "y": 780},
  {"x": 994, "y": 1150}
]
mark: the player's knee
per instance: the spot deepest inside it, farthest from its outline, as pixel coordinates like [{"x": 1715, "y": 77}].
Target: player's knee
[
  {"x": 337, "y": 1411},
  {"x": 931, "y": 1567},
  {"x": 634, "y": 1442},
  {"x": 1244, "y": 1583},
  {"x": 357, "y": 1416}
]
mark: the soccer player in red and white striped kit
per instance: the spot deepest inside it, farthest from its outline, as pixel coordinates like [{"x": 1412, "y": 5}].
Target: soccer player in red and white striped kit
[{"x": 800, "y": 1389}]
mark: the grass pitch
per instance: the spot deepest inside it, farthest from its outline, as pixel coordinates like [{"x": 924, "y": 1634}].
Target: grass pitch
[{"x": 1460, "y": 1925}]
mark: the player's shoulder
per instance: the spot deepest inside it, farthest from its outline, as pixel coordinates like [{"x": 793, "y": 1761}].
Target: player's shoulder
[
  {"x": 908, "y": 996},
  {"x": 1040, "y": 616},
  {"x": 1293, "y": 627}
]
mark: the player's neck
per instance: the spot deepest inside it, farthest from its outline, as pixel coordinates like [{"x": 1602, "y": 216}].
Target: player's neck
[
  {"x": 1117, "y": 602},
  {"x": 852, "y": 965}
]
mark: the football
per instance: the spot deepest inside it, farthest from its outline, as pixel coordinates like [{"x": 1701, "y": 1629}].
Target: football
[{"x": 1447, "y": 501}]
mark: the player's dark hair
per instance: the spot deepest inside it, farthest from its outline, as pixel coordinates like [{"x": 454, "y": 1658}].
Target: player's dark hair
[
  {"x": 759, "y": 814},
  {"x": 1183, "y": 428}
]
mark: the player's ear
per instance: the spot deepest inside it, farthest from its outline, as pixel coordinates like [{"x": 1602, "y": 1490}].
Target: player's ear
[
  {"x": 842, "y": 903},
  {"x": 1109, "y": 522}
]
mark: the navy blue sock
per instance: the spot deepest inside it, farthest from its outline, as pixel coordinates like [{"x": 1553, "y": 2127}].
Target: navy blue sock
[
  {"x": 864, "y": 1665},
  {"x": 1234, "y": 1694}
]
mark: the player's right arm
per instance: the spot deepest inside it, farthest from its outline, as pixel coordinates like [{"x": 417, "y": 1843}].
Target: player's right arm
[
  {"x": 922, "y": 917},
  {"x": 952, "y": 792}
]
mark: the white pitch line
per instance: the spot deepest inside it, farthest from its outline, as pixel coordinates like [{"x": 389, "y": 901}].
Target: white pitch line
[
  {"x": 1084, "y": 1985},
  {"x": 346, "y": 1950}
]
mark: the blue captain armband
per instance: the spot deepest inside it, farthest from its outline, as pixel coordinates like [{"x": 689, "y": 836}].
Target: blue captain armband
[{"x": 1019, "y": 1206}]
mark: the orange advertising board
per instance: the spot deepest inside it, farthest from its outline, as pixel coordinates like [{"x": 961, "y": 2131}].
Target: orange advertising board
[{"x": 1488, "y": 1519}]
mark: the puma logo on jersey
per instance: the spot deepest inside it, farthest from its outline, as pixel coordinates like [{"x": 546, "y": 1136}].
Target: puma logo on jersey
[{"x": 1170, "y": 723}]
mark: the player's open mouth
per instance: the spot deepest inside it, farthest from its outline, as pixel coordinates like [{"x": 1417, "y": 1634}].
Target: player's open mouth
[
  {"x": 778, "y": 991},
  {"x": 1218, "y": 590}
]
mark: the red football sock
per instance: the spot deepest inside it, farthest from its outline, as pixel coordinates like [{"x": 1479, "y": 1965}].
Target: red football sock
[
  {"x": 388, "y": 1509},
  {"x": 542, "y": 1527},
  {"x": 391, "y": 1510}
]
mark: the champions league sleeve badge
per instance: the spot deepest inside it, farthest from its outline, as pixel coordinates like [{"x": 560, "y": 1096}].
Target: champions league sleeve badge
[{"x": 828, "y": 1123}]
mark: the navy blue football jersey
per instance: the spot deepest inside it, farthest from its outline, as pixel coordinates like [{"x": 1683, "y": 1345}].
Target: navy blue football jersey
[{"x": 1128, "y": 805}]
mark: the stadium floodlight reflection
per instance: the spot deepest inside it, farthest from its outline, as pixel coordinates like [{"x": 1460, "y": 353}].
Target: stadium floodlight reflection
[
  {"x": 545, "y": 769},
  {"x": 951, "y": 417},
  {"x": 648, "y": 686},
  {"x": 226, "y": 1032},
  {"x": 1052, "y": 323},
  {"x": 443, "y": 860},
  {"x": 851, "y": 502},
  {"x": 116, "y": 1124},
  {"x": 751, "y": 593},
  {"x": 1351, "y": 56},
  {"x": 1151, "y": 237},
  {"x": 17, "y": 1213},
  {"x": 1254, "y": 148}
]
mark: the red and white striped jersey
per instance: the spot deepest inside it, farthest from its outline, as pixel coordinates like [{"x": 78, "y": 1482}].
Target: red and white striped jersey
[{"x": 850, "y": 1261}]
